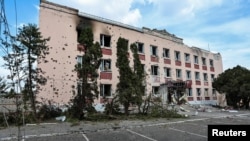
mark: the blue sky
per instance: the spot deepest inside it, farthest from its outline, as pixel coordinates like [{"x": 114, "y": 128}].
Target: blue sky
[{"x": 216, "y": 25}]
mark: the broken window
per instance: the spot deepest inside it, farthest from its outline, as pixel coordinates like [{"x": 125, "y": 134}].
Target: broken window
[
  {"x": 188, "y": 75},
  {"x": 105, "y": 40},
  {"x": 197, "y": 76},
  {"x": 166, "y": 53},
  {"x": 105, "y": 90},
  {"x": 211, "y": 62},
  {"x": 189, "y": 92},
  {"x": 140, "y": 47},
  {"x": 212, "y": 77},
  {"x": 167, "y": 72},
  {"x": 198, "y": 91},
  {"x": 105, "y": 65},
  {"x": 206, "y": 92},
  {"x": 154, "y": 70},
  {"x": 178, "y": 73},
  {"x": 155, "y": 90},
  {"x": 214, "y": 92},
  {"x": 79, "y": 61},
  {"x": 187, "y": 57},
  {"x": 204, "y": 61},
  {"x": 153, "y": 50},
  {"x": 196, "y": 60},
  {"x": 205, "y": 76},
  {"x": 177, "y": 56}
]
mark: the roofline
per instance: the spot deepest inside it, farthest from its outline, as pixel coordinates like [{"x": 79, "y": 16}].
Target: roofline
[
  {"x": 104, "y": 20},
  {"x": 58, "y": 5}
]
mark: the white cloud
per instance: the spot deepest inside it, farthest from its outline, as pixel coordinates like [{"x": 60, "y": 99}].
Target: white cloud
[
  {"x": 174, "y": 12},
  {"x": 118, "y": 10},
  {"x": 132, "y": 18},
  {"x": 238, "y": 27}
]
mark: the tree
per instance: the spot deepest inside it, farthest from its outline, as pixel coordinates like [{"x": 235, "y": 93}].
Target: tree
[
  {"x": 87, "y": 74},
  {"x": 235, "y": 83},
  {"x": 32, "y": 47},
  {"x": 138, "y": 78},
  {"x": 124, "y": 86}
]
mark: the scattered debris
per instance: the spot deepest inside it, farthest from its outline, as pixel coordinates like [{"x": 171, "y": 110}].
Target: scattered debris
[
  {"x": 232, "y": 111},
  {"x": 184, "y": 110},
  {"x": 61, "y": 118},
  {"x": 99, "y": 107}
]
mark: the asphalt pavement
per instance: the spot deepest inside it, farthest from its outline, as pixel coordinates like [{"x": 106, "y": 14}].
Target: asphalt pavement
[{"x": 193, "y": 128}]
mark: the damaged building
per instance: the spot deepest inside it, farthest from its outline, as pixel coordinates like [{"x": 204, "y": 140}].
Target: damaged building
[{"x": 164, "y": 56}]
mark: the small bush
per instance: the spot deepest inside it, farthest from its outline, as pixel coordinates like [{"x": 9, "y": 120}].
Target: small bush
[
  {"x": 160, "y": 112},
  {"x": 47, "y": 112}
]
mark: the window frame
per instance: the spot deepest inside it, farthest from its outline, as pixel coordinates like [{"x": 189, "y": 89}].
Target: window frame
[
  {"x": 103, "y": 64},
  {"x": 197, "y": 75},
  {"x": 103, "y": 88},
  {"x": 189, "y": 92},
  {"x": 178, "y": 73},
  {"x": 188, "y": 75},
  {"x": 198, "y": 91},
  {"x": 205, "y": 77},
  {"x": 154, "y": 50},
  {"x": 167, "y": 72},
  {"x": 166, "y": 53},
  {"x": 187, "y": 57},
  {"x": 196, "y": 59},
  {"x": 177, "y": 55},
  {"x": 153, "y": 70},
  {"x": 211, "y": 62},
  {"x": 140, "y": 47},
  {"x": 103, "y": 40},
  {"x": 154, "y": 90},
  {"x": 204, "y": 61}
]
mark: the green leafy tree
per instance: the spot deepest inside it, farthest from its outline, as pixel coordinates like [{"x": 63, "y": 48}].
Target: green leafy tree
[
  {"x": 124, "y": 86},
  {"x": 87, "y": 74},
  {"x": 32, "y": 47},
  {"x": 138, "y": 78},
  {"x": 235, "y": 83}
]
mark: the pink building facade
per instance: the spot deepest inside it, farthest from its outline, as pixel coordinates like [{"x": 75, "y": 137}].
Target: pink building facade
[{"x": 165, "y": 57}]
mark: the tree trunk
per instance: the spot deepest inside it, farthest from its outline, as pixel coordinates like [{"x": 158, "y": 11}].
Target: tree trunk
[
  {"x": 30, "y": 91},
  {"x": 126, "y": 106}
]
